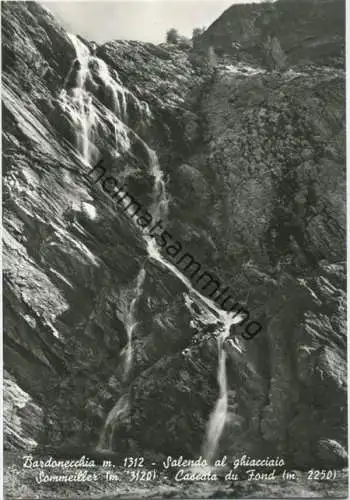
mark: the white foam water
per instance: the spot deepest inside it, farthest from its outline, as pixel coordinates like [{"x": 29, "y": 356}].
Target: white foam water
[
  {"x": 131, "y": 321},
  {"x": 160, "y": 205},
  {"x": 119, "y": 410},
  {"x": 218, "y": 416},
  {"x": 116, "y": 89},
  {"x": 83, "y": 55}
]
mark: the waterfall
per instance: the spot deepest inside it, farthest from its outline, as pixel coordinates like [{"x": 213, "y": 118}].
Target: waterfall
[
  {"x": 209, "y": 312},
  {"x": 83, "y": 55},
  {"x": 122, "y": 406},
  {"x": 81, "y": 50},
  {"x": 218, "y": 416},
  {"x": 91, "y": 70},
  {"x": 120, "y": 409},
  {"x": 215, "y": 313},
  {"x": 159, "y": 208},
  {"x": 116, "y": 89},
  {"x": 130, "y": 320}
]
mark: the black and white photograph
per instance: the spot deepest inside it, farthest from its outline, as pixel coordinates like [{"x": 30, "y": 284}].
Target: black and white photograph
[{"x": 174, "y": 249}]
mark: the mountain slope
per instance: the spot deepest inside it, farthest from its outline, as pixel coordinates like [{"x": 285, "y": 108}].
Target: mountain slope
[{"x": 307, "y": 32}]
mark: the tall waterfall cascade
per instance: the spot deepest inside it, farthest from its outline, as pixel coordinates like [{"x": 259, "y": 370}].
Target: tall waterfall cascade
[{"x": 86, "y": 115}]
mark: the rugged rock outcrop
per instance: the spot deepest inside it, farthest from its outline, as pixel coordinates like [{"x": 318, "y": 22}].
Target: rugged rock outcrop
[{"x": 254, "y": 167}]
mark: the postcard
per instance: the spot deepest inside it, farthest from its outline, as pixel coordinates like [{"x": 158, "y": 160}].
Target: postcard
[{"x": 174, "y": 249}]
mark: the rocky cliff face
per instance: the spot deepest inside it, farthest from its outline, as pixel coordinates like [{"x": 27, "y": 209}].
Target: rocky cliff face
[
  {"x": 253, "y": 164},
  {"x": 281, "y": 34}
]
